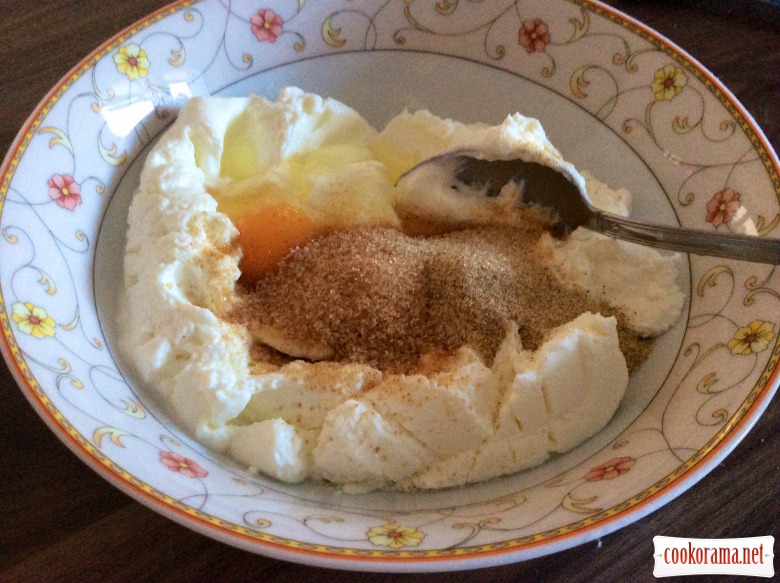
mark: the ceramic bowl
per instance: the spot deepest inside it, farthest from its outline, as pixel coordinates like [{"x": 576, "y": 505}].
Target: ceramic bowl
[{"x": 614, "y": 96}]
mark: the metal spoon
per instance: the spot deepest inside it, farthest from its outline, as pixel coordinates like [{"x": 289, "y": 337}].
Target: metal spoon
[{"x": 559, "y": 191}]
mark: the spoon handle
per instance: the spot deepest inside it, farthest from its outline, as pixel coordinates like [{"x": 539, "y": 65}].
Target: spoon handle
[{"x": 714, "y": 244}]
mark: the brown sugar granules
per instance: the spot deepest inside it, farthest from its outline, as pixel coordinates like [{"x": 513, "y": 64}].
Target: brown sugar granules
[{"x": 383, "y": 298}]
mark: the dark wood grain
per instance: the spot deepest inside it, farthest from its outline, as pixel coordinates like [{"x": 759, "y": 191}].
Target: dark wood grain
[{"x": 60, "y": 522}]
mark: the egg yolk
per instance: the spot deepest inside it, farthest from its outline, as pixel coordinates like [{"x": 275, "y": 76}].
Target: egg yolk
[{"x": 267, "y": 235}]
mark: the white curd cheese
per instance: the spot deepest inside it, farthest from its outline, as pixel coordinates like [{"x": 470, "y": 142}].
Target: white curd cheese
[{"x": 351, "y": 424}]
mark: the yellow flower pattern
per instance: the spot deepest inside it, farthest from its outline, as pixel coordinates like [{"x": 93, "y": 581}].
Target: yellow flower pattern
[
  {"x": 395, "y": 536},
  {"x": 668, "y": 82},
  {"x": 33, "y": 320},
  {"x": 752, "y": 338},
  {"x": 131, "y": 60}
]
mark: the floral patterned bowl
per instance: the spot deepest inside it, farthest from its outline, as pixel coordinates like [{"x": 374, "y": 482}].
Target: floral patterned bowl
[{"x": 614, "y": 96}]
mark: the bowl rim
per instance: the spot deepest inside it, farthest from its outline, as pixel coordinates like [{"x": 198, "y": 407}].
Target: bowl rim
[{"x": 627, "y": 512}]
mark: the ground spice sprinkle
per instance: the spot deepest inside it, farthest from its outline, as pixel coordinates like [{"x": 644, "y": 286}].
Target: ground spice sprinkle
[{"x": 380, "y": 297}]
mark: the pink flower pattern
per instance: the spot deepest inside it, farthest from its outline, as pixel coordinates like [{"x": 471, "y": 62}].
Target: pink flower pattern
[
  {"x": 534, "y": 35},
  {"x": 65, "y": 191},
  {"x": 267, "y": 25},
  {"x": 185, "y": 466},
  {"x": 722, "y": 207},
  {"x": 610, "y": 470}
]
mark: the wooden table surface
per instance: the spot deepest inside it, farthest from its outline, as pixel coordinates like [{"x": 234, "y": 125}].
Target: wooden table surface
[{"x": 60, "y": 522}]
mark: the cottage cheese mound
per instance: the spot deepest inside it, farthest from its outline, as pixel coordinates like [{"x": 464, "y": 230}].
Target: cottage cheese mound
[
  {"x": 351, "y": 424},
  {"x": 640, "y": 281}
]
